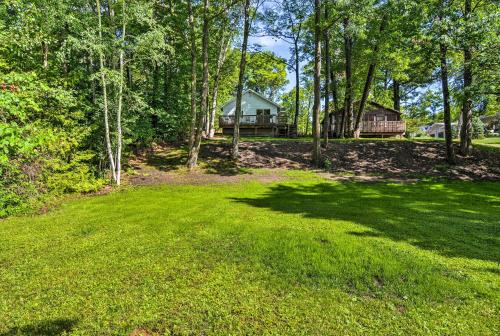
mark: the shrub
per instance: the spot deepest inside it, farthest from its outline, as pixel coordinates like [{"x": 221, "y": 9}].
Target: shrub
[{"x": 40, "y": 138}]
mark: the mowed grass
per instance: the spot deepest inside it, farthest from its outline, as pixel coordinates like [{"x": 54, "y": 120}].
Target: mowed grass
[{"x": 301, "y": 257}]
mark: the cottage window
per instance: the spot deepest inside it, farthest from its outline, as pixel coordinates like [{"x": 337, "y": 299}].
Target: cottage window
[{"x": 262, "y": 112}]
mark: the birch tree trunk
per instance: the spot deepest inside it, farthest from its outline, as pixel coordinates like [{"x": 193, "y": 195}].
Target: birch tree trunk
[
  {"x": 316, "y": 154},
  {"x": 45, "y": 52},
  {"x": 120, "y": 100},
  {"x": 193, "y": 159},
  {"x": 239, "y": 93},
  {"x": 220, "y": 62},
  {"x": 107, "y": 137}
]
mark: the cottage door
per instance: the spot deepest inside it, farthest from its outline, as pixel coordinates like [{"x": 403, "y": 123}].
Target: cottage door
[{"x": 264, "y": 117}]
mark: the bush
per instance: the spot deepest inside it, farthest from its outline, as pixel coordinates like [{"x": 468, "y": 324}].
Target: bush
[
  {"x": 477, "y": 128},
  {"x": 40, "y": 139}
]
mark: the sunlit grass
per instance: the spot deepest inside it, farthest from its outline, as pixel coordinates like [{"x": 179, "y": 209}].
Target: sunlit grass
[{"x": 299, "y": 257}]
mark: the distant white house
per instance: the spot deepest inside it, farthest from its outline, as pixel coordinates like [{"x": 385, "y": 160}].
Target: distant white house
[
  {"x": 259, "y": 115},
  {"x": 436, "y": 130}
]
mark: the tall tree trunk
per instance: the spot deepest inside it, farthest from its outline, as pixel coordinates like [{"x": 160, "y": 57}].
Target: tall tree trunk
[
  {"x": 466, "y": 129},
  {"x": 369, "y": 80},
  {"x": 239, "y": 93},
  {"x": 192, "y": 33},
  {"x": 316, "y": 154},
  {"x": 396, "y": 94},
  {"x": 346, "y": 122},
  {"x": 220, "y": 62},
  {"x": 297, "y": 84},
  {"x": 450, "y": 154},
  {"x": 154, "y": 100},
  {"x": 193, "y": 159},
  {"x": 364, "y": 99},
  {"x": 105, "y": 97},
  {"x": 120, "y": 100},
  {"x": 45, "y": 51},
  {"x": 335, "y": 96},
  {"x": 326, "y": 120},
  {"x": 308, "y": 115}
]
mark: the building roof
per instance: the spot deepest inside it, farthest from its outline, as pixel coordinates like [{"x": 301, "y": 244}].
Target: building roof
[{"x": 258, "y": 95}]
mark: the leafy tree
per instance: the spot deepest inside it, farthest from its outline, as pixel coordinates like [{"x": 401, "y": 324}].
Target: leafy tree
[{"x": 266, "y": 73}]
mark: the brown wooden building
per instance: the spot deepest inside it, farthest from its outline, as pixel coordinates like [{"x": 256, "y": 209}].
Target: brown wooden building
[{"x": 378, "y": 121}]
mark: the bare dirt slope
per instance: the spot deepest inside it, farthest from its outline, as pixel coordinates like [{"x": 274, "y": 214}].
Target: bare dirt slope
[{"x": 368, "y": 158}]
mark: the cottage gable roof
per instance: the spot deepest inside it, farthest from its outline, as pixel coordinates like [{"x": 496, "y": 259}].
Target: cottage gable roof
[{"x": 256, "y": 94}]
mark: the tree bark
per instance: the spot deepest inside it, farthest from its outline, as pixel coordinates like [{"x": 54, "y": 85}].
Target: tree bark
[
  {"x": 346, "y": 122},
  {"x": 297, "y": 84},
  {"x": 120, "y": 100},
  {"x": 396, "y": 95},
  {"x": 326, "y": 120},
  {"x": 239, "y": 93},
  {"x": 369, "y": 80},
  {"x": 335, "y": 97},
  {"x": 220, "y": 62},
  {"x": 192, "y": 33},
  {"x": 466, "y": 129},
  {"x": 193, "y": 159},
  {"x": 154, "y": 100},
  {"x": 105, "y": 97},
  {"x": 316, "y": 154},
  {"x": 450, "y": 154},
  {"x": 364, "y": 98},
  {"x": 45, "y": 51}
]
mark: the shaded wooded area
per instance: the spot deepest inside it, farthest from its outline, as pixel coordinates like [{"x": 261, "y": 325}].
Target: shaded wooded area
[{"x": 95, "y": 81}]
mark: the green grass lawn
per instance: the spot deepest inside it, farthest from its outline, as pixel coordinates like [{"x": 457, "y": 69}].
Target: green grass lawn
[{"x": 302, "y": 257}]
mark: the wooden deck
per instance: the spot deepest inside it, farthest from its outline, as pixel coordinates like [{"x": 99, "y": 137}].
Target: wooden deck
[
  {"x": 383, "y": 127},
  {"x": 254, "y": 120},
  {"x": 264, "y": 125}
]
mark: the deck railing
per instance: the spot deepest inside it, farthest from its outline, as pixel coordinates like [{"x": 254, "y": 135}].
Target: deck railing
[
  {"x": 253, "y": 120},
  {"x": 383, "y": 126}
]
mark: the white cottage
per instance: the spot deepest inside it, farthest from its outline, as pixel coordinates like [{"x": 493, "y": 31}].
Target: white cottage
[{"x": 260, "y": 116}]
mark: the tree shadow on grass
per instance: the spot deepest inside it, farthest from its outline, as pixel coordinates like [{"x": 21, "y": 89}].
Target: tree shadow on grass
[
  {"x": 215, "y": 160},
  {"x": 43, "y": 328},
  {"x": 457, "y": 219}
]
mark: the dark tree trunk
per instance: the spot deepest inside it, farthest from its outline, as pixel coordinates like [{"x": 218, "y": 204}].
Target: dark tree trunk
[
  {"x": 335, "y": 97},
  {"x": 466, "y": 131},
  {"x": 450, "y": 154},
  {"x": 317, "y": 85},
  {"x": 396, "y": 95},
  {"x": 326, "y": 120},
  {"x": 346, "y": 122},
  {"x": 192, "y": 126},
  {"x": 369, "y": 80},
  {"x": 239, "y": 93},
  {"x": 364, "y": 98},
  {"x": 297, "y": 84}
]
